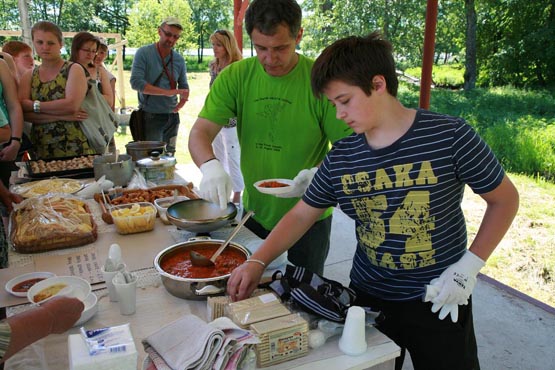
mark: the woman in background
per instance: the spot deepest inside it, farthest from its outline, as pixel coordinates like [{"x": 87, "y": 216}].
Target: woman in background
[
  {"x": 51, "y": 96},
  {"x": 98, "y": 61},
  {"x": 83, "y": 51},
  {"x": 226, "y": 144}
]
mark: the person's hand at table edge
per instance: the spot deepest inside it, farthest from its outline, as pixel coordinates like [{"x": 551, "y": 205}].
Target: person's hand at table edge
[
  {"x": 53, "y": 317},
  {"x": 244, "y": 279}
]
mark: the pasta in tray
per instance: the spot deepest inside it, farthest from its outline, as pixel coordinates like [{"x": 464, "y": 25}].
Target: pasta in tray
[
  {"x": 45, "y": 223},
  {"x": 42, "y": 187}
]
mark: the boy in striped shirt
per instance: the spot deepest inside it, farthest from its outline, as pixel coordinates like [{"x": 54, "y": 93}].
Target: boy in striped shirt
[{"x": 401, "y": 176}]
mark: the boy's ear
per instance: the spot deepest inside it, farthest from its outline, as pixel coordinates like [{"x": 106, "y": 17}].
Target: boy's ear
[{"x": 378, "y": 83}]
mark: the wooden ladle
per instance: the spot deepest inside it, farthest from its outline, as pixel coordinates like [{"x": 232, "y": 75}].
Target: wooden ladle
[{"x": 198, "y": 259}]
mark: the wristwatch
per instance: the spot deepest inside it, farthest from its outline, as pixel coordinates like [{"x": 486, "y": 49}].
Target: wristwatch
[
  {"x": 15, "y": 138},
  {"x": 36, "y": 106}
]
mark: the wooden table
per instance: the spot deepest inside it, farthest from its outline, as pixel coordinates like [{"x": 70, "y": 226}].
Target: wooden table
[{"x": 155, "y": 306}]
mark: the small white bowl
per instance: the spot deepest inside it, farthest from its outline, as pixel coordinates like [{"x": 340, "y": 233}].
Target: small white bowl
[
  {"x": 162, "y": 205},
  {"x": 81, "y": 287},
  {"x": 21, "y": 278},
  {"x": 274, "y": 190},
  {"x": 91, "y": 308}
]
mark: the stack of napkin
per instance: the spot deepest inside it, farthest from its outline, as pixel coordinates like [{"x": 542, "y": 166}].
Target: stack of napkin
[{"x": 191, "y": 343}]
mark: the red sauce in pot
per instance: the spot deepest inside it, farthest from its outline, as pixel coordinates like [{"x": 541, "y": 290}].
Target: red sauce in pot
[
  {"x": 178, "y": 263},
  {"x": 25, "y": 285}
]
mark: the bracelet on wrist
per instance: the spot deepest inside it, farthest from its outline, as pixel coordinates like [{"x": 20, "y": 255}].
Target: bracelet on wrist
[
  {"x": 256, "y": 261},
  {"x": 36, "y": 106},
  {"x": 15, "y": 138},
  {"x": 211, "y": 159}
]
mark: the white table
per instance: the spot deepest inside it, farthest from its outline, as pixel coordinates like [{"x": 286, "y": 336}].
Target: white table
[{"x": 156, "y": 307}]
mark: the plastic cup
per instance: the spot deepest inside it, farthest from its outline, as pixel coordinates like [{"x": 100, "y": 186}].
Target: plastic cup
[
  {"x": 127, "y": 293},
  {"x": 108, "y": 277},
  {"x": 353, "y": 339}
]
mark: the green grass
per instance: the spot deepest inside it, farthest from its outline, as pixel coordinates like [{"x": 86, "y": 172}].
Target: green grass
[{"x": 519, "y": 125}]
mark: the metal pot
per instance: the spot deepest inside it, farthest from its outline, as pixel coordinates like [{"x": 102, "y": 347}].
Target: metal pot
[
  {"x": 189, "y": 288},
  {"x": 119, "y": 172},
  {"x": 144, "y": 149},
  {"x": 200, "y": 216}
]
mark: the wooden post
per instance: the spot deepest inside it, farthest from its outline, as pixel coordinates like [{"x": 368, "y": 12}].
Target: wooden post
[{"x": 428, "y": 56}]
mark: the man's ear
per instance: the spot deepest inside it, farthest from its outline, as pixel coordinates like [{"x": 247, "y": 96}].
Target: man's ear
[
  {"x": 299, "y": 36},
  {"x": 379, "y": 84}
]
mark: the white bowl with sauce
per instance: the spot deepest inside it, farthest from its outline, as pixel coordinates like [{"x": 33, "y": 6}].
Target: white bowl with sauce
[
  {"x": 19, "y": 285},
  {"x": 80, "y": 288}
]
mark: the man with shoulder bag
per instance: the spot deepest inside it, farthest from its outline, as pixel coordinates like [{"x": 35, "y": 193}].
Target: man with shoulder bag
[{"x": 159, "y": 75}]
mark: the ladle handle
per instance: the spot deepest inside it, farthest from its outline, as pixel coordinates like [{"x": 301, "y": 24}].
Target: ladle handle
[{"x": 233, "y": 233}]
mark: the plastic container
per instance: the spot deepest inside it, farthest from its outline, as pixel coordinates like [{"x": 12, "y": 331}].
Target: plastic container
[
  {"x": 157, "y": 168},
  {"x": 134, "y": 217}
]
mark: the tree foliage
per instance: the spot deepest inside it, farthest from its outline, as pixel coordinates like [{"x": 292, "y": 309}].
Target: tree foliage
[
  {"x": 146, "y": 15},
  {"x": 514, "y": 38},
  {"x": 515, "y": 43},
  {"x": 208, "y": 16}
]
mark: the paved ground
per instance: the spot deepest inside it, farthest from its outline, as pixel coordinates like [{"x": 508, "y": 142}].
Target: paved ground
[{"x": 513, "y": 330}]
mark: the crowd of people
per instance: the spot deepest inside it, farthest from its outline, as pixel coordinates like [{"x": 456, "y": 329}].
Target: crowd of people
[{"x": 398, "y": 172}]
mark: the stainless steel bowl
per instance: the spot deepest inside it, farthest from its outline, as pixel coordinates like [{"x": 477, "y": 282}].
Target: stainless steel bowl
[
  {"x": 119, "y": 172},
  {"x": 190, "y": 288},
  {"x": 200, "y": 216}
]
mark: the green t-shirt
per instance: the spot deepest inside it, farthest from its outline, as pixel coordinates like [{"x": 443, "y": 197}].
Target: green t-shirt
[
  {"x": 282, "y": 127},
  {"x": 4, "y": 116}
]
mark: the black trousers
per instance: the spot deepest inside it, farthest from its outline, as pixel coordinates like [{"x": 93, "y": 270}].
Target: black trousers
[
  {"x": 433, "y": 344},
  {"x": 310, "y": 251}
]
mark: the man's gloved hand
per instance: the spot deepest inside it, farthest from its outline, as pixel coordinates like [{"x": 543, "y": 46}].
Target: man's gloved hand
[
  {"x": 301, "y": 182},
  {"x": 455, "y": 285},
  {"x": 215, "y": 185}
]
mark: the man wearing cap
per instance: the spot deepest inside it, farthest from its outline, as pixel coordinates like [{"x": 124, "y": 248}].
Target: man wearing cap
[{"x": 159, "y": 75}]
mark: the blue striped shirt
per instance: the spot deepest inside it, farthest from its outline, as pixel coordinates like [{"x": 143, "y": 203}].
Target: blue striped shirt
[{"x": 406, "y": 200}]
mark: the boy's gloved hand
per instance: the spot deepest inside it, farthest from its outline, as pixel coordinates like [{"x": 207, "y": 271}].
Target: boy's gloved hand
[
  {"x": 432, "y": 290},
  {"x": 215, "y": 185},
  {"x": 455, "y": 285},
  {"x": 301, "y": 182}
]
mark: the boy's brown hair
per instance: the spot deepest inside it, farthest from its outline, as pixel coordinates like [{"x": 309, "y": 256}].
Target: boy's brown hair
[
  {"x": 14, "y": 48},
  {"x": 355, "y": 60}
]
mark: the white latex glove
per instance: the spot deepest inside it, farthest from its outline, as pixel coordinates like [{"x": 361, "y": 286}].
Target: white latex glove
[
  {"x": 215, "y": 185},
  {"x": 301, "y": 182},
  {"x": 432, "y": 290},
  {"x": 455, "y": 285}
]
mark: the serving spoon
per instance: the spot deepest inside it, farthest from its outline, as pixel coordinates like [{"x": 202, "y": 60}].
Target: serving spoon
[{"x": 198, "y": 259}]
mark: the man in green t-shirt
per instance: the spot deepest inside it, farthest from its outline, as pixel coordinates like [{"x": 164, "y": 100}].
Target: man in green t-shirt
[{"x": 283, "y": 130}]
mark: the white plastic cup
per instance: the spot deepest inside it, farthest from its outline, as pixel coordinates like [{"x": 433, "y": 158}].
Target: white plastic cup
[
  {"x": 127, "y": 294},
  {"x": 108, "y": 277},
  {"x": 353, "y": 339}
]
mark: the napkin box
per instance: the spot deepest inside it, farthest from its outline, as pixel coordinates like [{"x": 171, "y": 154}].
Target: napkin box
[
  {"x": 281, "y": 339},
  {"x": 79, "y": 358}
]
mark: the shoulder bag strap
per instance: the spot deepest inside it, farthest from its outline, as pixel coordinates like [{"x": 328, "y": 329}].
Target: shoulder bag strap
[{"x": 157, "y": 79}]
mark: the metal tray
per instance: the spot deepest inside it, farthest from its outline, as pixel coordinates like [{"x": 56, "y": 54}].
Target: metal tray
[{"x": 79, "y": 173}]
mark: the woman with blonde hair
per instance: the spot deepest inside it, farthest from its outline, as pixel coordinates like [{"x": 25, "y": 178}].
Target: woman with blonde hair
[
  {"x": 51, "y": 96},
  {"x": 226, "y": 144}
]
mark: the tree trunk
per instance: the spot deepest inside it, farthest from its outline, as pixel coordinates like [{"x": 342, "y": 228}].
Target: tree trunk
[
  {"x": 471, "y": 69},
  {"x": 25, "y": 23}
]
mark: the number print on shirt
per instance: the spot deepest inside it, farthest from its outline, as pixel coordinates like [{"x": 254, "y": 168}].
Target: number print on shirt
[{"x": 410, "y": 220}]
